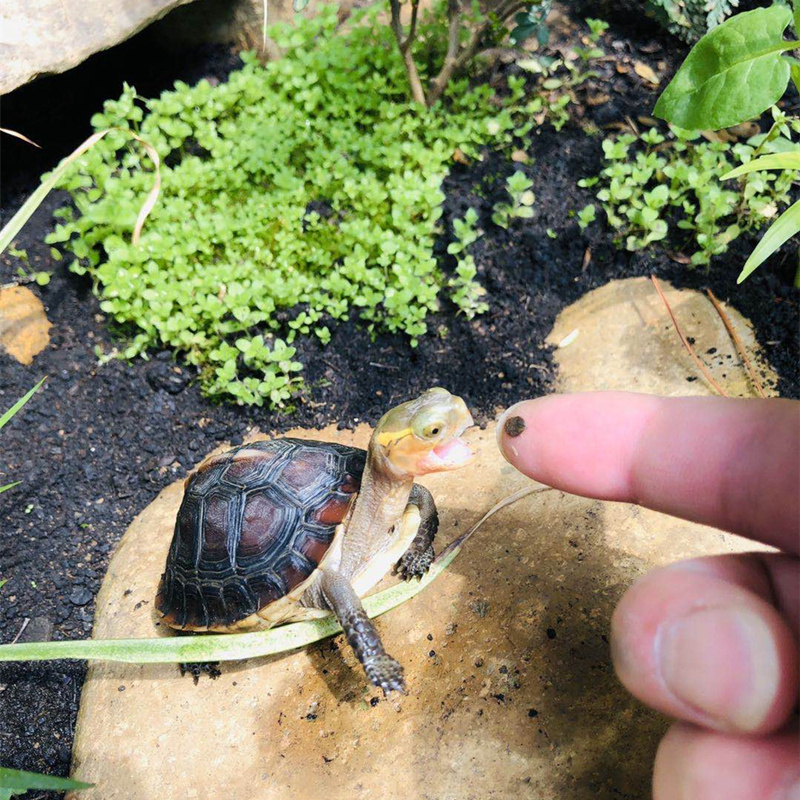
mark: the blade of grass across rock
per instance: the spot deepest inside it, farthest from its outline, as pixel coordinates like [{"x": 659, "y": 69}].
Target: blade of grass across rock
[
  {"x": 17, "y": 781},
  {"x": 14, "y": 225},
  {"x": 237, "y": 646}
]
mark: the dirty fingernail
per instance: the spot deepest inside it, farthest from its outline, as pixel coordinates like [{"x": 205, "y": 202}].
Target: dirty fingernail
[{"x": 722, "y": 662}]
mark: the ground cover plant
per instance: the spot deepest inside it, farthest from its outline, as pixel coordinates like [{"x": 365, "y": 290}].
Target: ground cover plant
[
  {"x": 734, "y": 74},
  {"x": 291, "y": 195},
  {"x": 655, "y": 185}
]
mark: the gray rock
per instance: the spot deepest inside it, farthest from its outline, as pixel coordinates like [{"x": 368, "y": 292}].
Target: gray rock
[{"x": 47, "y": 36}]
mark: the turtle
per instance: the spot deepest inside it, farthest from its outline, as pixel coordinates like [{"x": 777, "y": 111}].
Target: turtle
[{"x": 287, "y": 529}]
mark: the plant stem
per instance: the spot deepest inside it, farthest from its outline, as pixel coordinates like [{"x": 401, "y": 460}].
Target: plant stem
[{"x": 404, "y": 44}]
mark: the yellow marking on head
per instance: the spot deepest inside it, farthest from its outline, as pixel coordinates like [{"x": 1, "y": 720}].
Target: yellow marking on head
[{"x": 392, "y": 437}]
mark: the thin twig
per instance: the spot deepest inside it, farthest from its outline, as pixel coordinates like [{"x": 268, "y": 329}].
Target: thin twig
[
  {"x": 737, "y": 341},
  {"x": 404, "y": 46},
  {"x": 685, "y": 341},
  {"x": 382, "y": 366}
]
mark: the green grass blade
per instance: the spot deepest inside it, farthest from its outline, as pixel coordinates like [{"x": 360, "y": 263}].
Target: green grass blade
[
  {"x": 230, "y": 647},
  {"x": 790, "y": 160},
  {"x": 786, "y": 226},
  {"x": 14, "y": 225},
  {"x": 9, "y": 486},
  {"x": 237, "y": 646},
  {"x": 21, "y": 402},
  {"x": 17, "y": 781}
]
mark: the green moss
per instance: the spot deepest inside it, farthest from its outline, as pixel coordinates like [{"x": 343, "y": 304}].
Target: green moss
[{"x": 292, "y": 194}]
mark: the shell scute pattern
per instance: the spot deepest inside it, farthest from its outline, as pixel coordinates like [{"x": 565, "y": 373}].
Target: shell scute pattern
[{"x": 254, "y": 523}]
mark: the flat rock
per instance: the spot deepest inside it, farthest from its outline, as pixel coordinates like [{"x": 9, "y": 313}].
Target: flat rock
[
  {"x": 24, "y": 327},
  {"x": 511, "y": 690}
]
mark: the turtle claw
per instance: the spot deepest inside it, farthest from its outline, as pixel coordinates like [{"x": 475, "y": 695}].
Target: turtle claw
[
  {"x": 196, "y": 669},
  {"x": 386, "y": 673},
  {"x": 414, "y": 563}
]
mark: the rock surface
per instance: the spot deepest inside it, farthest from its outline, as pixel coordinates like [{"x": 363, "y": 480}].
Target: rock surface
[
  {"x": 511, "y": 691},
  {"x": 24, "y": 327}
]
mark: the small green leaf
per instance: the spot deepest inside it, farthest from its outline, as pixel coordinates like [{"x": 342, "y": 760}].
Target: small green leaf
[
  {"x": 7, "y": 487},
  {"x": 734, "y": 73},
  {"x": 786, "y": 226},
  {"x": 17, "y": 781},
  {"x": 20, "y": 403}
]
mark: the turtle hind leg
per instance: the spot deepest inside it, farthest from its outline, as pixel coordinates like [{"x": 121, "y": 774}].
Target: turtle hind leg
[
  {"x": 416, "y": 561},
  {"x": 197, "y": 668},
  {"x": 381, "y": 669}
]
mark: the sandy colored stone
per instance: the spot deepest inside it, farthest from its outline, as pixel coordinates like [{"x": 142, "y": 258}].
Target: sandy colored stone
[
  {"x": 511, "y": 690},
  {"x": 625, "y": 340},
  {"x": 24, "y": 327}
]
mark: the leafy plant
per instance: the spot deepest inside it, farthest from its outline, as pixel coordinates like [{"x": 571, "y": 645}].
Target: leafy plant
[
  {"x": 691, "y": 19},
  {"x": 291, "y": 195},
  {"x": 25, "y": 272},
  {"x": 15, "y": 782},
  {"x": 586, "y": 216},
  {"x": 518, "y": 186},
  {"x": 652, "y": 184},
  {"x": 466, "y": 291},
  {"x": 597, "y": 27},
  {"x": 734, "y": 74}
]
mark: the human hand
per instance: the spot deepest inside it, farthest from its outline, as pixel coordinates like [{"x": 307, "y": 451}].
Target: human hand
[{"x": 712, "y": 641}]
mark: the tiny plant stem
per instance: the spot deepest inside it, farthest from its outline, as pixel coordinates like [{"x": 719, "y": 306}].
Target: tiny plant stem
[
  {"x": 706, "y": 374},
  {"x": 737, "y": 341}
]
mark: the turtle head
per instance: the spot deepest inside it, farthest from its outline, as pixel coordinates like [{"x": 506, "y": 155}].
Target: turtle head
[{"x": 423, "y": 435}]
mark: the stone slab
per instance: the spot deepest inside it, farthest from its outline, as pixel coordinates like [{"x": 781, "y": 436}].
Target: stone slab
[{"x": 511, "y": 690}]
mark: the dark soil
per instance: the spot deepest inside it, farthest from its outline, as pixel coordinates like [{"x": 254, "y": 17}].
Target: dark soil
[{"x": 99, "y": 442}]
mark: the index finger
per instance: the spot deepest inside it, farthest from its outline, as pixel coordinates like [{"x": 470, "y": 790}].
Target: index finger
[{"x": 734, "y": 464}]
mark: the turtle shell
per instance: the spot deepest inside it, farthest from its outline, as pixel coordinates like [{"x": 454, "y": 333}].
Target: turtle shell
[{"x": 254, "y": 523}]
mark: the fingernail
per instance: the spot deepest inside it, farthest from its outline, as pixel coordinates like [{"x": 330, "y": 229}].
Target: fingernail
[
  {"x": 510, "y": 425},
  {"x": 723, "y": 663}
]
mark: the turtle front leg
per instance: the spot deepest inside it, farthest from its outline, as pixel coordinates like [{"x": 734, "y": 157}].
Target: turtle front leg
[
  {"x": 416, "y": 561},
  {"x": 381, "y": 668}
]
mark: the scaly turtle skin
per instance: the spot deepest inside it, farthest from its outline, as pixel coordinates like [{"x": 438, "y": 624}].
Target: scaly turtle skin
[{"x": 289, "y": 529}]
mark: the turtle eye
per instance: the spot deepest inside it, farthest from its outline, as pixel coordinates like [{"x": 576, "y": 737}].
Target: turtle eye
[{"x": 433, "y": 430}]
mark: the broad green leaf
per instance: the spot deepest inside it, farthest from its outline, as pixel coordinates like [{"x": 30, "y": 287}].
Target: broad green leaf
[
  {"x": 789, "y": 160},
  {"x": 16, "y": 781},
  {"x": 733, "y": 74},
  {"x": 21, "y": 402},
  {"x": 786, "y": 226},
  {"x": 237, "y": 646}
]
